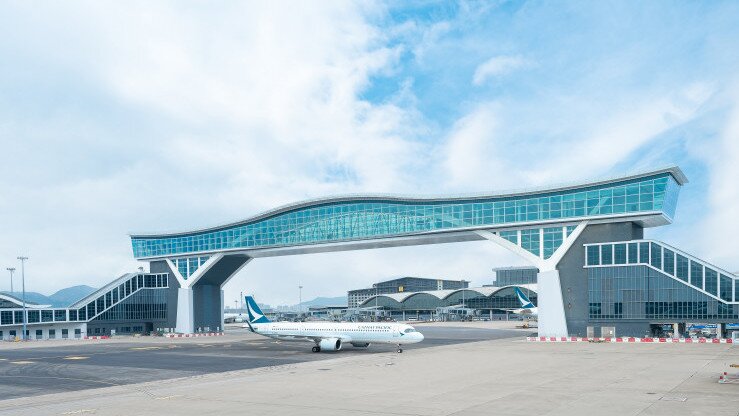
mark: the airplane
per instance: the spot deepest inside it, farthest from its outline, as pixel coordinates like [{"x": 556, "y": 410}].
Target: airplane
[
  {"x": 331, "y": 336},
  {"x": 527, "y": 307},
  {"x": 229, "y": 318}
]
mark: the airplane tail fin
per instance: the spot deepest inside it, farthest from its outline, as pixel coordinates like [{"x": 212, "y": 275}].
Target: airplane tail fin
[
  {"x": 255, "y": 314},
  {"x": 525, "y": 302}
]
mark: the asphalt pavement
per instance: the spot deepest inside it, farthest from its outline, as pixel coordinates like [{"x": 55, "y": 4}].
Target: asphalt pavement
[{"x": 84, "y": 365}]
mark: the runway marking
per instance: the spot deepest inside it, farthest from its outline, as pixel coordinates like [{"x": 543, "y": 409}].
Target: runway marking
[
  {"x": 167, "y": 397},
  {"x": 22, "y": 362},
  {"x": 76, "y": 357},
  {"x": 146, "y": 348},
  {"x": 77, "y": 412}
]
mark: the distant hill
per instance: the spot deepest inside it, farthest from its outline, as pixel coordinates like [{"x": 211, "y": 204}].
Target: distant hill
[
  {"x": 60, "y": 299},
  {"x": 65, "y": 297},
  {"x": 322, "y": 301}
]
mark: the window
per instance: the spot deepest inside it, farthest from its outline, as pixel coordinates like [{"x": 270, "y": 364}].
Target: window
[
  {"x": 725, "y": 288},
  {"x": 77, "y": 332},
  {"x": 681, "y": 271},
  {"x": 65, "y": 333},
  {"x": 39, "y": 334},
  {"x": 656, "y": 256},
  {"x": 711, "y": 281},
  {"x": 633, "y": 253},
  {"x": 47, "y": 316},
  {"x": 530, "y": 241},
  {"x": 619, "y": 253},
  {"x": 52, "y": 334},
  {"x": 6, "y": 317},
  {"x": 606, "y": 254},
  {"x": 696, "y": 274},
  {"x": 34, "y": 316},
  {"x": 669, "y": 262},
  {"x": 593, "y": 255},
  {"x": 60, "y": 315},
  {"x": 644, "y": 253}
]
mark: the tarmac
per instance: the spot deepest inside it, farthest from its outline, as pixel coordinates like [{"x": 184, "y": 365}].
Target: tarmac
[{"x": 501, "y": 375}]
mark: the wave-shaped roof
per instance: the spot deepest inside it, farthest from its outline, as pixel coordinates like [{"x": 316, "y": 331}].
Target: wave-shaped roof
[
  {"x": 673, "y": 170},
  {"x": 486, "y": 291}
]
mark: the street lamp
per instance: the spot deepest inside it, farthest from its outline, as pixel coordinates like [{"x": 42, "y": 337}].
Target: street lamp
[
  {"x": 23, "y": 277},
  {"x": 11, "y": 270},
  {"x": 300, "y": 299}
]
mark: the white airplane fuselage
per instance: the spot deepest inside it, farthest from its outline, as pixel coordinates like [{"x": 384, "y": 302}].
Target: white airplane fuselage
[
  {"x": 356, "y": 333},
  {"x": 530, "y": 312}
]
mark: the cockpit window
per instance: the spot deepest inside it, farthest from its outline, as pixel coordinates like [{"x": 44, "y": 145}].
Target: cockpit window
[{"x": 409, "y": 330}]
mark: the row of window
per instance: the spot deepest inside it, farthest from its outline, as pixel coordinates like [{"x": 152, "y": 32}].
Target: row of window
[
  {"x": 535, "y": 239},
  {"x": 670, "y": 262},
  {"x": 357, "y": 220},
  {"x": 641, "y": 292},
  {"x": 39, "y": 334},
  {"x": 188, "y": 266}
]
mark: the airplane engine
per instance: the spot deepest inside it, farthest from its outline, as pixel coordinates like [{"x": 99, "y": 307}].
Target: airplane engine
[
  {"x": 360, "y": 344},
  {"x": 330, "y": 344}
]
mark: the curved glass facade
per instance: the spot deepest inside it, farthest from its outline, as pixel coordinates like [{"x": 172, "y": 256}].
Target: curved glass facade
[{"x": 358, "y": 219}]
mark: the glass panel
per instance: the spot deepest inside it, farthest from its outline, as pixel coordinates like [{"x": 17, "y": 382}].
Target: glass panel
[
  {"x": 668, "y": 263},
  {"x": 725, "y": 288},
  {"x": 606, "y": 254},
  {"x": 530, "y": 241},
  {"x": 644, "y": 253},
  {"x": 511, "y": 236},
  {"x": 681, "y": 269},
  {"x": 633, "y": 253},
  {"x": 619, "y": 253},
  {"x": 593, "y": 255},
  {"x": 711, "y": 282},
  {"x": 656, "y": 256},
  {"x": 696, "y": 274}
]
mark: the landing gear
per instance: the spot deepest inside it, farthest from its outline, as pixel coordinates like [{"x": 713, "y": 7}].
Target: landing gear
[
  {"x": 400, "y": 350},
  {"x": 316, "y": 349}
]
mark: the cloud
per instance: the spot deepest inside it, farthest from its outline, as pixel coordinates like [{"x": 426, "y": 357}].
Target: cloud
[
  {"x": 164, "y": 116},
  {"x": 719, "y": 229},
  {"x": 496, "y": 67}
]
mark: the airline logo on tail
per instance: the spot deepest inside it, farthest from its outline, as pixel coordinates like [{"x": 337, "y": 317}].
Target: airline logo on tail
[
  {"x": 256, "y": 316},
  {"x": 525, "y": 302}
]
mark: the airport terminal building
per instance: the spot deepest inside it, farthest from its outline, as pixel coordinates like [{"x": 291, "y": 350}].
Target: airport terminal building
[
  {"x": 133, "y": 303},
  {"x": 402, "y": 284}
]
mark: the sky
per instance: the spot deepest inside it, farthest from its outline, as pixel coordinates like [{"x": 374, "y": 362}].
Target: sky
[{"x": 156, "y": 116}]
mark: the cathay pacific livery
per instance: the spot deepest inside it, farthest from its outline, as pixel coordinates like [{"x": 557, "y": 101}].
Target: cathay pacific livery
[
  {"x": 331, "y": 336},
  {"x": 527, "y": 307}
]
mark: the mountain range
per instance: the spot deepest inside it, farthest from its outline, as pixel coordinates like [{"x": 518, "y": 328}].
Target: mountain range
[{"x": 59, "y": 299}]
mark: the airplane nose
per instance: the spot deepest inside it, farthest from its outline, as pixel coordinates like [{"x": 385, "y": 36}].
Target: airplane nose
[{"x": 420, "y": 336}]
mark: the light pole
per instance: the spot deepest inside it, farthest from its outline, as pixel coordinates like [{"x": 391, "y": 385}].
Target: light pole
[
  {"x": 300, "y": 299},
  {"x": 241, "y": 299},
  {"x": 11, "y": 270},
  {"x": 23, "y": 279}
]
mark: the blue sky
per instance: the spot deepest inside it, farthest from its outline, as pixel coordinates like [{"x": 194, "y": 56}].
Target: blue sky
[{"x": 154, "y": 116}]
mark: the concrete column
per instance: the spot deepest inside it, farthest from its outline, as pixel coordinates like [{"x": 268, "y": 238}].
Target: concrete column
[
  {"x": 185, "y": 317},
  {"x": 551, "y": 320},
  {"x": 222, "y": 318},
  {"x": 719, "y": 330}
]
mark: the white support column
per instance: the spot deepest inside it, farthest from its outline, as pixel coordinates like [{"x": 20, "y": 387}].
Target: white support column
[
  {"x": 185, "y": 316},
  {"x": 551, "y": 320}
]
